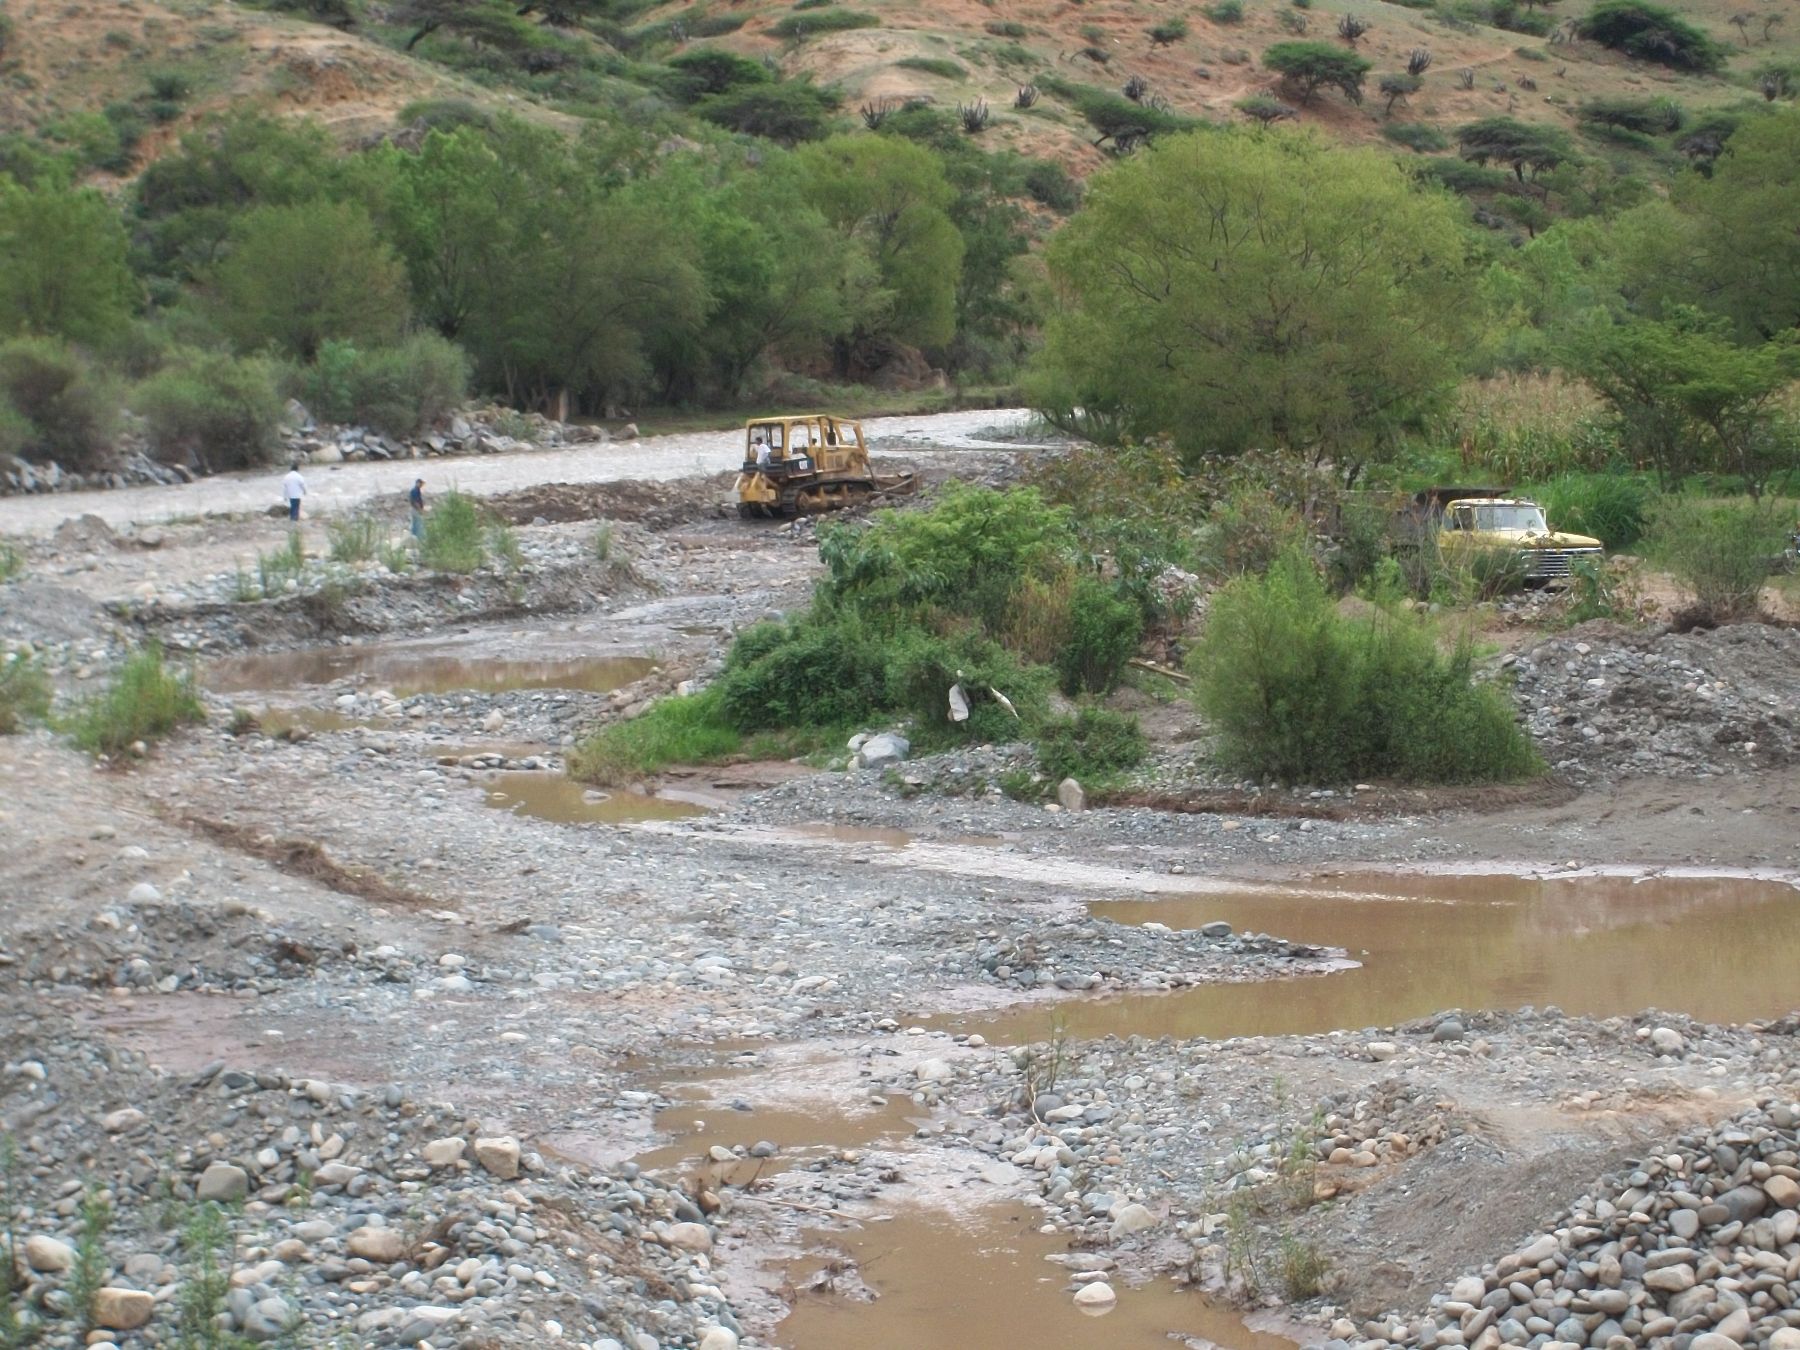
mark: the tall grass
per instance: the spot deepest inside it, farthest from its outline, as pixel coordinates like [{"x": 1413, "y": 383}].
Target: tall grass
[
  {"x": 274, "y": 570},
  {"x": 144, "y": 702},
  {"x": 1522, "y": 428},
  {"x": 1610, "y": 507},
  {"x": 12, "y": 560},
  {"x": 452, "y": 541},
  {"x": 357, "y": 539}
]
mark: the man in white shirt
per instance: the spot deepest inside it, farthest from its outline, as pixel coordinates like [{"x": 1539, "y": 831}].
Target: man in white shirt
[{"x": 293, "y": 487}]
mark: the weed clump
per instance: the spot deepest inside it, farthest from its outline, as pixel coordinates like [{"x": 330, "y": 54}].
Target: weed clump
[
  {"x": 1093, "y": 745},
  {"x": 145, "y": 702}
]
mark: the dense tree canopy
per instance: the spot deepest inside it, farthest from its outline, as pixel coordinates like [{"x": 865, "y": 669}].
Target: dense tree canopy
[
  {"x": 65, "y": 272},
  {"x": 1242, "y": 289}
]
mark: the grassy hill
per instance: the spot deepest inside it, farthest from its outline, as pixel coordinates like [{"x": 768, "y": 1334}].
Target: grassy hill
[{"x": 138, "y": 71}]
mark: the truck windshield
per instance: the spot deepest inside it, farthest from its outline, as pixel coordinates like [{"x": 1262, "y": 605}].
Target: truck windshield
[{"x": 1526, "y": 518}]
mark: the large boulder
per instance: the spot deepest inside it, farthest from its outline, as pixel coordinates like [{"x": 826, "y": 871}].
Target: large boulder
[{"x": 882, "y": 750}]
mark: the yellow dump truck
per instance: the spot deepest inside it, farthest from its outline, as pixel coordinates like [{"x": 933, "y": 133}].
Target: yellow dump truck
[
  {"x": 806, "y": 462},
  {"x": 1472, "y": 521}
]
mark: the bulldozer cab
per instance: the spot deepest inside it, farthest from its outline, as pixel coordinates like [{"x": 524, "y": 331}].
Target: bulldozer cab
[{"x": 805, "y": 444}]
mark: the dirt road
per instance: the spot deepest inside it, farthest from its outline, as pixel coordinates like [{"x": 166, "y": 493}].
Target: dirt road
[{"x": 341, "y": 487}]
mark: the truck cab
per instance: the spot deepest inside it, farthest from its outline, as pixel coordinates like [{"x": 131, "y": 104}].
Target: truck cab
[{"x": 1470, "y": 525}]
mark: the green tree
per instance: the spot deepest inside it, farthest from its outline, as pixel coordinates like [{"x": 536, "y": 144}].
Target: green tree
[
  {"x": 297, "y": 275},
  {"x": 1738, "y": 251},
  {"x": 1518, "y": 145},
  {"x": 65, "y": 273},
  {"x": 1243, "y": 288},
  {"x": 891, "y": 197},
  {"x": 1652, "y": 33},
  {"x": 190, "y": 200},
  {"x": 1686, "y": 393},
  {"x": 1308, "y": 66}
]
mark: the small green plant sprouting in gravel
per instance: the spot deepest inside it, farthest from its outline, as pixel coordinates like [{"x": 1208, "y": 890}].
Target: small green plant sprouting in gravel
[
  {"x": 503, "y": 542},
  {"x": 286, "y": 563},
  {"x": 603, "y": 540},
  {"x": 12, "y": 561},
  {"x": 206, "y": 1243},
  {"x": 91, "y": 1266}
]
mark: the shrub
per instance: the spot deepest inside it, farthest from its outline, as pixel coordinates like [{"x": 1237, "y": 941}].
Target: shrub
[
  {"x": 12, "y": 560},
  {"x": 1225, "y": 11},
  {"x": 933, "y": 65},
  {"x": 1246, "y": 532},
  {"x": 1309, "y": 65},
  {"x": 1651, "y": 33},
  {"x": 1652, "y": 116},
  {"x": 813, "y": 672},
  {"x": 144, "y": 702},
  {"x": 24, "y": 693},
  {"x": 1420, "y": 137},
  {"x": 71, "y": 411},
  {"x": 1302, "y": 693},
  {"x": 217, "y": 411},
  {"x": 1092, "y": 745},
  {"x": 1169, "y": 33},
  {"x": 684, "y": 730},
  {"x": 275, "y": 570},
  {"x": 1049, "y": 184},
  {"x": 711, "y": 70},
  {"x": 1006, "y": 28},
  {"x": 1720, "y": 552},
  {"x": 1104, "y": 630},
  {"x": 1610, "y": 507},
  {"x": 453, "y": 535},
  {"x": 814, "y": 22},
  {"x": 922, "y": 669}
]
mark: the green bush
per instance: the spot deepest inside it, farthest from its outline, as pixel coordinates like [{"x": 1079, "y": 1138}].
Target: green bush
[
  {"x": 24, "y": 693},
  {"x": 1006, "y": 28},
  {"x": 1652, "y": 33},
  {"x": 1225, "y": 11},
  {"x": 12, "y": 560},
  {"x": 1246, "y": 532},
  {"x": 72, "y": 412},
  {"x": 144, "y": 702},
  {"x": 933, "y": 65},
  {"x": 813, "y": 672},
  {"x": 1420, "y": 137},
  {"x": 1610, "y": 507},
  {"x": 217, "y": 411},
  {"x": 1721, "y": 552},
  {"x": 1458, "y": 175},
  {"x": 453, "y": 535},
  {"x": 1049, "y": 184},
  {"x": 1104, "y": 631},
  {"x": 687, "y": 729},
  {"x": 1299, "y": 692},
  {"x": 1094, "y": 745},
  {"x": 1652, "y": 116},
  {"x": 922, "y": 669},
  {"x": 814, "y": 22},
  {"x": 711, "y": 70},
  {"x": 400, "y": 390}
]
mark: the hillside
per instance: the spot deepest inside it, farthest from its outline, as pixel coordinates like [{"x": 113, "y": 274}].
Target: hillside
[{"x": 142, "y": 70}]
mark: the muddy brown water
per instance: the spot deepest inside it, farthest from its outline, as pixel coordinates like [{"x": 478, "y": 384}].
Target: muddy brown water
[
  {"x": 421, "y": 671},
  {"x": 551, "y": 796},
  {"x": 985, "y": 1283},
  {"x": 1590, "y": 945}
]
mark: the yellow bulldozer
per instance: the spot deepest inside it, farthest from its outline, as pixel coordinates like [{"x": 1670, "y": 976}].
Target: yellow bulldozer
[{"x": 808, "y": 462}]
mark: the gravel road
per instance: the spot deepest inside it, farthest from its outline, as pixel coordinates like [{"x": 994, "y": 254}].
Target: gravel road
[{"x": 341, "y": 487}]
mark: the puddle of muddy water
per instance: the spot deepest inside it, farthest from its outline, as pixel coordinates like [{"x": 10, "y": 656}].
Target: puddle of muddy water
[
  {"x": 983, "y": 1283},
  {"x": 554, "y": 797},
  {"x": 1593, "y": 945},
  {"x": 410, "y": 671}
]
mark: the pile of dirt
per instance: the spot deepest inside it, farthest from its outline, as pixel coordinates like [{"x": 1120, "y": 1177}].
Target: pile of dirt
[
  {"x": 1604, "y": 702},
  {"x": 656, "y": 506}
]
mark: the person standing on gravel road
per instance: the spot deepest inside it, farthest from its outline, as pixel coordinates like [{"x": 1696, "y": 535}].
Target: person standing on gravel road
[
  {"x": 293, "y": 487},
  {"x": 416, "y": 500}
]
